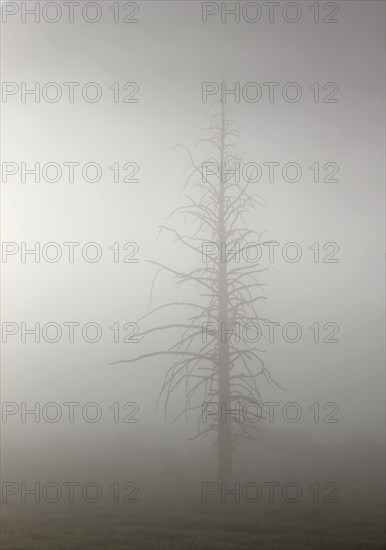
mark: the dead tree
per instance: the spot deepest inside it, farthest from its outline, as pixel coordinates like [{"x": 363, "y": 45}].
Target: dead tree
[{"x": 219, "y": 372}]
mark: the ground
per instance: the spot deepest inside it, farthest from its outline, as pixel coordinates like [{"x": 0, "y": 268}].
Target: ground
[{"x": 181, "y": 527}]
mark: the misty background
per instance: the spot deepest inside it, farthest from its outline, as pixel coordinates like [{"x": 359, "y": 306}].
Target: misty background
[{"x": 169, "y": 53}]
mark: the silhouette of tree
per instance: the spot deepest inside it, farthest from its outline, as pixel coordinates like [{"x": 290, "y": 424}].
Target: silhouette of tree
[{"x": 216, "y": 369}]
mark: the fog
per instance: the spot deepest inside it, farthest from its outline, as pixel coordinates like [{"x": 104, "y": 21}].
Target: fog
[{"x": 71, "y": 319}]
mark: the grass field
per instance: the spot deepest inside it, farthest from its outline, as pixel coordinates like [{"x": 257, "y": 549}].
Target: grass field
[{"x": 229, "y": 527}]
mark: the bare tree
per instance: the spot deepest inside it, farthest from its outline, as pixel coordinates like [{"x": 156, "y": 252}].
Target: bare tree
[{"x": 217, "y": 370}]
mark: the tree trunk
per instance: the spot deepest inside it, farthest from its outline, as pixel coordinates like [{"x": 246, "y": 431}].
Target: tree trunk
[{"x": 224, "y": 448}]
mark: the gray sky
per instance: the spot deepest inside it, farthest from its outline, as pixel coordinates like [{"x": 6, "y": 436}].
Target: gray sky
[{"x": 169, "y": 53}]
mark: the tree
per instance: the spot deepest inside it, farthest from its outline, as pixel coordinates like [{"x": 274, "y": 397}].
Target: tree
[{"x": 217, "y": 370}]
